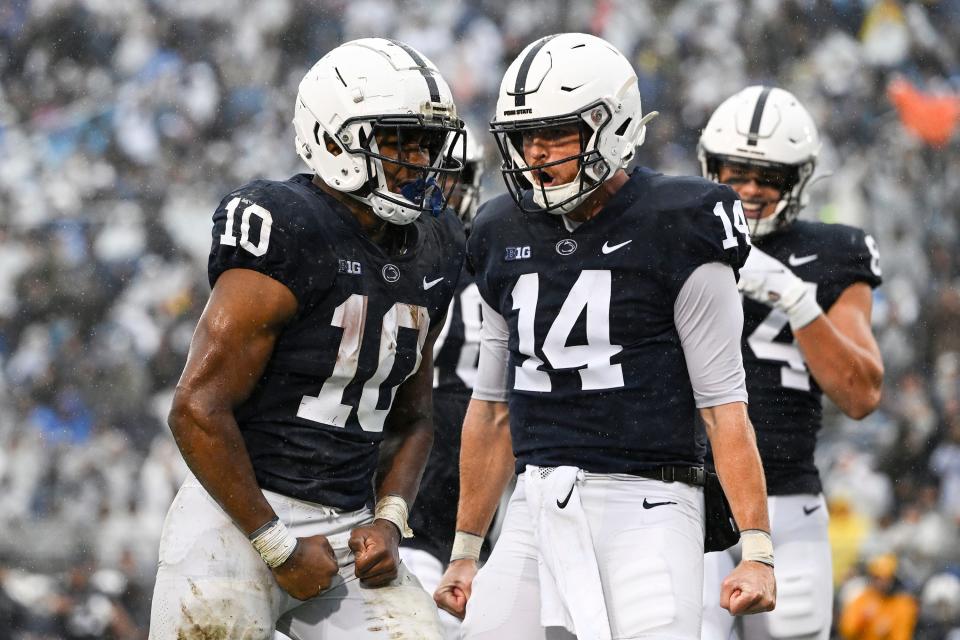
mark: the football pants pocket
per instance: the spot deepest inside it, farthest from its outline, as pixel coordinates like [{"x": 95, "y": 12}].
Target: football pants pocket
[
  {"x": 799, "y": 611},
  {"x": 639, "y": 587}
]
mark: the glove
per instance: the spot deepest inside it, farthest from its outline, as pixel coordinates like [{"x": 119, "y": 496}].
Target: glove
[{"x": 767, "y": 280}]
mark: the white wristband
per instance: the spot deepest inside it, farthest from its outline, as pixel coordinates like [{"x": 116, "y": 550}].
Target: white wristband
[
  {"x": 466, "y": 546},
  {"x": 394, "y": 509},
  {"x": 274, "y": 543},
  {"x": 756, "y": 545},
  {"x": 800, "y": 305}
]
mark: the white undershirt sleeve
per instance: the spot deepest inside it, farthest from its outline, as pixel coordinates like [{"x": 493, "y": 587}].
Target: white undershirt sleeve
[
  {"x": 708, "y": 314},
  {"x": 491, "y": 382}
]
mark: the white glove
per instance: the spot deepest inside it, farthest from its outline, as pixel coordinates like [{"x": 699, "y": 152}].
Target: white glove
[{"x": 767, "y": 280}]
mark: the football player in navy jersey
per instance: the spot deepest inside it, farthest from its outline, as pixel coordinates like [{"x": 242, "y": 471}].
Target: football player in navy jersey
[
  {"x": 610, "y": 317},
  {"x": 315, "y": 348},
  {"x": 455, "y": 354},
  {"x": 807, "y": 301}
]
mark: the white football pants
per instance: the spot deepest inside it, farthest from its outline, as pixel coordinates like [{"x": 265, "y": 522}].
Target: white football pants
[
  {"x": 429, "y": 570},
  {"x": 802, "y": 566},
  {"x": 650, "y": 561},
  {"x": 212, "y": 583}
]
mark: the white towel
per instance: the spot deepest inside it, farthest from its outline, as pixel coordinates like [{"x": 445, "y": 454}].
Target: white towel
[{"x": 571, "y": 595}]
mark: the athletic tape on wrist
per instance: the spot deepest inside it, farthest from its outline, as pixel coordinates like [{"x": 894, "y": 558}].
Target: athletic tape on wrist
[
  {"x": 274, "y": 543},
  {"x": 757, "y": 545},
  {"x": 466, "y": 546},
  {"x": 803, "y": 310},
  {"x": 394, "y": 509}
]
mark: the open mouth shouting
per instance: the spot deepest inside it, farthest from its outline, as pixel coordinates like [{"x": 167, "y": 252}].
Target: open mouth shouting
[{"x": 542, "y": 177}]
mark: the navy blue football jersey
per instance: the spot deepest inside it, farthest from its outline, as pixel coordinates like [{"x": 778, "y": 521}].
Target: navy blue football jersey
[
  {"x": 313, "y": 423},
  {"x": 457, "y": 350},
  {"x": 455, "y": 356},
  {"x": 434, "y": 514},
  {"x": 785, "y": 401},
  {"x": 598, "y": 378}
]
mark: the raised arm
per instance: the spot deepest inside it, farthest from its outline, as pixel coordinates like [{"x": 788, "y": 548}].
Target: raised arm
[{"x": 842, "y": 354}]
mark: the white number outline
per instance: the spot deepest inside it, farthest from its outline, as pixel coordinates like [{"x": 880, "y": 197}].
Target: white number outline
[
  {"x": 327, "y": 406},
  {"x": 266, "y": 224},
  {"x": 593, "y": 361},
  {"x": 874, "y": 255},
  {"x": 762, "y": 341},
  {"x": 739, "y": 221},
  {"x": 470, "y": 314}
]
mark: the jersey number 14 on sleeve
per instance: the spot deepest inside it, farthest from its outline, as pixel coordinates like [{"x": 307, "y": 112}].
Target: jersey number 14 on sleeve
[{"x": 739, "y": 221}]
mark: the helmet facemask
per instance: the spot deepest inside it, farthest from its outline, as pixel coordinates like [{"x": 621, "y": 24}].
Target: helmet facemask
[
  {"x": 465, "y": 198},
  {"x": 767, "y": 130},
  {"x": 426, "y": 186},
  {"x": 791, "y": 184},
  {"x": 533, "y": 195}
]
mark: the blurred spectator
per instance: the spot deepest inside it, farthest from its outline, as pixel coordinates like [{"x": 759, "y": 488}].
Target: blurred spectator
[
  {"x": 883, "y": 610},
  {"x": 940, "y": 608},
  {"x": 847, "y": 531},
  {"x": 123, "y": 121},
  {"x": 88, "y": 607}
]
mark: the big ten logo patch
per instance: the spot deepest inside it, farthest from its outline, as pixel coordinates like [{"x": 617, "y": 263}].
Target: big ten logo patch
[
  {"x": 349, "y": 267},
  {"x": 516, "y": 253}
]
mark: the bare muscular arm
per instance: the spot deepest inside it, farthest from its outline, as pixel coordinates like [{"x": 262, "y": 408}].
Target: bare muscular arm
[{"x": 230, "y": 349}]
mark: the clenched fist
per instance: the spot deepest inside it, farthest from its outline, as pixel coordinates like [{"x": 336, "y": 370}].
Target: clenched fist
[
  {"x": 309, "y": 569},
  {"x": 375, "y": 547}
]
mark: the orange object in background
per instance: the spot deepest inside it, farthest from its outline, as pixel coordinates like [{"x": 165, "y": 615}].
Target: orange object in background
[
  {"x": 882, "y": 611},
  {"x": 932, "y": 118}
]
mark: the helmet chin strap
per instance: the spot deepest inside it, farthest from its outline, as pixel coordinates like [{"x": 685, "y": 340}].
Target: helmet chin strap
[
  {"x": 560, "y": 193},
  {"x": 769, "y": 224}
]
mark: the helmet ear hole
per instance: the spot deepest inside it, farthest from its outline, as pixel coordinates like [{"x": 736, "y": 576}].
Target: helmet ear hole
[
  {"x": 332, "y": 147},
  {"x": 622, "y": 129}
]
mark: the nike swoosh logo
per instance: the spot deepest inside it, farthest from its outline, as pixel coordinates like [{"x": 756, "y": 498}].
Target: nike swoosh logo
[
  {"x": 608, "y": 248},
  {"x": 565, "y": 500},
  {"x": 427, "y": 285},
  {"x": 796, "y": 262},
  {"x": 808, "y": 510},
  {"x": 651, "y": 505}
]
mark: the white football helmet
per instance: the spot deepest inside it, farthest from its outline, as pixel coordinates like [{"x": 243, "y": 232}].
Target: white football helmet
[
  {"x": 371, "y": 86},
  {"x": 466, "y": 196},
  {"x": 763, "y": 127},
  {"x": 559, "y": 80}
]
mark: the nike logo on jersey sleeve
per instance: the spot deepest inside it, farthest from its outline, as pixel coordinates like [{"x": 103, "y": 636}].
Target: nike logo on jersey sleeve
[
  {"x": 608, "y": 248},
  {"x": 808, "y": 510},
  {"x": 430, "y": 284},
  {"x": 796, "y": 262}
]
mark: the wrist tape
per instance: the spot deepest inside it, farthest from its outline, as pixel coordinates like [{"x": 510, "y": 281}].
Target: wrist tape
[
  {"x": 394, "y": 509},
  {"x": 466, "y": 546},
  {"x": 274, "y": 542},
  {"x": 800, "y": 305},
  {"x": 756, "y": 545}
]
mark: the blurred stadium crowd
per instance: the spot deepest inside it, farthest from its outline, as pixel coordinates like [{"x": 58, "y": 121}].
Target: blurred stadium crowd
[{"x": 122, "y": 123}]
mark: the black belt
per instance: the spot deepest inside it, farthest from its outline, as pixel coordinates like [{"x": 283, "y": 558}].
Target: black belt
[{"x": 695, "y": 476}]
